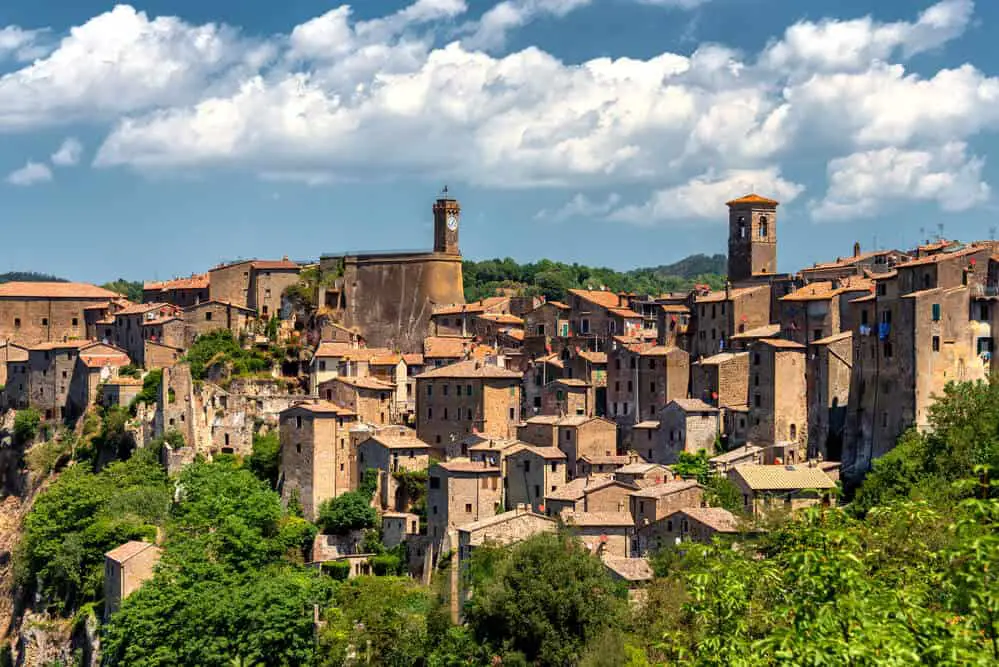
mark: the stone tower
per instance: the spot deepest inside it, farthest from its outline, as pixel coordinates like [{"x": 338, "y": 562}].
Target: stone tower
[
  {"x": 447, "y": 215},
  {"x": 752, "y": 237}
]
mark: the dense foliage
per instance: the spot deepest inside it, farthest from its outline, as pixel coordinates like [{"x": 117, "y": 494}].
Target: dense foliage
[
  {"x": 347, "y": 512},
  {"x": 554, "y": 279},
  {"x": 544, "y": 599},
  {"x": 130, "y": 289},
  {"x": 266, "y": 457},
  {"x": 81, "y": 516},
  {"x": 26, "y": 423},
  {"x": 29, "y": 277},
  {"x": 221, "y": 349},
  {"x": 904, "y": 575},
  {"x": 150, "y": 393}
]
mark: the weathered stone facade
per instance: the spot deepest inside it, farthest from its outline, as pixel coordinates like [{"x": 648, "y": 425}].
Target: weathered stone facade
[
  {"x": 686, "y": 425},
  {"x": 752, "y": 237},
  {"x": 830, "y": 364},
  {"x": 316, "y": 462},
  {"x": 41, "y": 312},
  {"x": 389, "y": 453},
  {"x": 778, "y": 409},
  {"x": 468, "y": 397},
  {"x": 460, "y": 492},
  {"x": 530, "y": 473}
]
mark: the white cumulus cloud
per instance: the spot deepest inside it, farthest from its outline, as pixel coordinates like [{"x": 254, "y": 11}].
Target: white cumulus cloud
[
  {"x": 339, "y": 98},
  {"x": 861, "y": 184},
  {"x": 704, "y": 196},
  {"x": 69, "y": 153},
  {"x": 31, "y": 173},
  {"x": 580, "y": 206}
]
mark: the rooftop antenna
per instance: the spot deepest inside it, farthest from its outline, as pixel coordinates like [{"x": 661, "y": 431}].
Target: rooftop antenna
[
  {"x": 992, "y": 232},
  {"x": 922, "y": 236},
  {"x": 444, "y": 191},
  {"x": 940, "y": 231}
]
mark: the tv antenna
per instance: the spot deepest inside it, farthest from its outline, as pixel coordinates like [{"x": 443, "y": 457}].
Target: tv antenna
[{"x": 940, "y": 231}]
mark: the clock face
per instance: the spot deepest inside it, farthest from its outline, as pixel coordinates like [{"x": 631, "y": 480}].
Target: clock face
[{"x": 452, "y": 221}]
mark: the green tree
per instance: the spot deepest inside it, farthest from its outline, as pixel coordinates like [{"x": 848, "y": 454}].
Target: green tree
[
  {"x": 546, "y": 598},
  {"x": 266, "y": 456},
  {"x": 346, "y": 512},
  {"x": 26, "y": 423},
  {"x": 693, "y": 466},
  {"x": 130, "y": 289},
  {"x": 383, "y": 619}
]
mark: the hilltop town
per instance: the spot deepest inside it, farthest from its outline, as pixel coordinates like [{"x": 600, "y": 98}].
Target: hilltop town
[{"x": 636, "y": 420}]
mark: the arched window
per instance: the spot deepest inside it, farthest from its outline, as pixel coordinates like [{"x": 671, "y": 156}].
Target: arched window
[
  {"x": 763, "y": 227},
  {"x": 794, "y": 432},
  {"x": 742, "y": 226}
]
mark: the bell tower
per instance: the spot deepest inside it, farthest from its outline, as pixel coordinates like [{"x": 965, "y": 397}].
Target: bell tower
[
  {"x": 752, "y": 237},
  {"x": 447, "y": 215}
]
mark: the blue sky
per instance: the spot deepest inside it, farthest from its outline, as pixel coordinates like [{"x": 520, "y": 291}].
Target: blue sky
[{"x": 157, "y": 139}]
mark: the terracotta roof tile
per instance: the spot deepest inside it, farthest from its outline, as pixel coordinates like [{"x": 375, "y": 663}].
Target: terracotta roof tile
[
  {"x": 53, "y": 290},
  {"x": 470, "y": 369},
  {"x": 666, "y": 488},
  {"x": 601, "y": 298},
  {"x": 322, "y": 407},
  {"x": 716, "y": 518},
  {"x": 597, "y": 519},
  {"x": 465, "y": 465},
  {"x": 413, "y": 359},
  {"x": 129, "y": 550},
  {"x": 752, "y": 198},
  {"x": 693, "y": 405},
  {"x": 783, "y": 478},
  {"x": 330, "y": 349},
  {"x": 443, "y": 347}
]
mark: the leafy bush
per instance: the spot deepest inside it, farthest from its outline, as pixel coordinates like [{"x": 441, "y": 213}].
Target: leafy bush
[
  {"x": 266, "y": 457},
  {"x": 150, "y": 393},
  {"x": 545, "y": 597},
  {"x": 82, "y": 515},
  {"x": 345, "y": 513},
  {"x": 338, "y": 569},
  {"x": 47, "y": 456},
  {"x": 26, "y": 424},
  {"x": 130, "y": 371},
  {"x": 220, "y": 347}
]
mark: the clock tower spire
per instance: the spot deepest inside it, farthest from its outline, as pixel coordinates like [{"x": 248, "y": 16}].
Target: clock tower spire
[{"x": 447, "y": 214}]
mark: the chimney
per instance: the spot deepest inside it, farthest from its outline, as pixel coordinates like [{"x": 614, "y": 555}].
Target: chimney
[
  {"x": 856, "y": 249},
  {"x": 728, "y": 289}
]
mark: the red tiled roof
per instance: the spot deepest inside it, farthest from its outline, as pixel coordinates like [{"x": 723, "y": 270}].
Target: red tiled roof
[
  {"x": 444, "y": 347},
  {"x": 330, "y": 349},
  {"x": 752, "y": 198},
  {"x": 413, "y": 359},
  {"x": 274, "y": 264},
  {"x": 322, "y": 407},
  {"x": 196, "y": 281},
  {"x": 470, "y": 369},
  {"x": 601, "y": 298},
  {"x": 53, "y": 290}
]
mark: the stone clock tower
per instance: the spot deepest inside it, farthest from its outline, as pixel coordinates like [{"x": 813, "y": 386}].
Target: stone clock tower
[{"x": 447, "y": 215}]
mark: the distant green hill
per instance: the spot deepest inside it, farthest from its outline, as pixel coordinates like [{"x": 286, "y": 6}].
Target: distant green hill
[
  {"x": 29, "y": 277},
  {"x": 693, "y": 266},
  {"x": 554, "y": 279}
]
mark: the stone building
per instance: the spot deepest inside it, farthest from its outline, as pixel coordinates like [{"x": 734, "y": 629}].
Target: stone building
[
  {"x": 605, "y": 534},
  {"x": 544, "y": 325},
  {"x": 643, "y": 474},
  {"x": 126, "y": 568},
  {"x": 57, "y": 381},
  {"x": 398, "y": 527},
  {"x": 139, "y": 323},
  {"x": 922, "y": 328},
  {"x": 444, "y": 350},
  {"x": 828, "y": 372},
  {"x": 780, "y": 487},
  {"x": 821, "y": 309},
  {"x": 254, "y": 284},
  {"x": 691, "y": 524},
  {"x": 389, "y": 453},
  {"x": 778, "y": 409},
  {"x": 325, "y": 364},
  {"x": 576, "y": 435},
  {"x": 531, "y": 473},
  {"x": 12, "y": 356},
  {"x": 460, "y": 492},
  {"x": 673, "y": 325},
  {"x": 652, "y": 503},
  {"x": 642, "y": 378},
  {"x": 211, "y": 315},
  {"x": 567, "y": 396},
  {"x": 367, "y": 397},
  {"x": 44, "y": 312},
  {"x": 468, "y": 397},
  {"x": 180, "y": 292},
  {"x": 721, "y": 380},
  {"x": 722, "y": 463},
  {"x": 720, "y": 315},
  {"x": 877, "y": 261},
  {"x": 752, "y": 237},
  {"x": 686, "y": 425},
  {"x": 596, "y": 315},
  {"x": 316, "y": 463},
  {"x": 600, "y": 493},
  {"x": 458, "y": 320},
  {"x": 592, "y": 465},
  {"x": 390, "y": 296}
]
